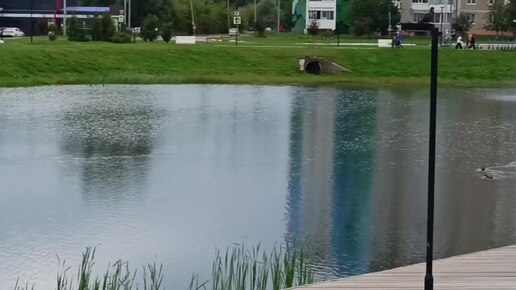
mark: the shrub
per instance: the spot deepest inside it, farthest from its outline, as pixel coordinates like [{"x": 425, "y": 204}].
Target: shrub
[
  {"x": 150, "y": 28},
  {"x": 121, "y": 37},
  {"x": 313, "y": 27},
  {"x": 166, "y": 32},
  {"x": 260, "y": 28},
  {"x": 75, "y": 31},
  {"x": 107, "y": 30},
  {"x": 96, "y": 29}
]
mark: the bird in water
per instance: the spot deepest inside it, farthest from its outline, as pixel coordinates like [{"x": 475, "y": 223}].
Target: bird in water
[{"x": 488, "y": 177}]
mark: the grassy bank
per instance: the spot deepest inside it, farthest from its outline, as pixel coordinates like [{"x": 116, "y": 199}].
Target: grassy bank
[{"x": 63, "y": 62}]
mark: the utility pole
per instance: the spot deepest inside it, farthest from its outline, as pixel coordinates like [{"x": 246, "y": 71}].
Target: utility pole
[
  {"x": 125, "y": 13},
  {"x": 64, "y": 19},
  {"x": 390, "y": 25},
  {"x": 31, "y": 23},
  {"x": 227, "y": 8},
  {"x": 254, "y": 12},
  {"x": 279, "y": 13},
  {"x": 129, "y": 13},
  {"x": 441, "y": 19},
  {"x": 193, "y": 20}
]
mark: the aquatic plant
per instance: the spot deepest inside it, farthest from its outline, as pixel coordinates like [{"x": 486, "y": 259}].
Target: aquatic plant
[{"x": 238, "y": 268}]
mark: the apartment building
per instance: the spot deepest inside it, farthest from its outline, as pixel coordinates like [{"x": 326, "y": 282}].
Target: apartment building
[
  {"x": 478, "y": 12},
  {"x": 415, "y": 10},
  {"x": 446, "y": 11}
]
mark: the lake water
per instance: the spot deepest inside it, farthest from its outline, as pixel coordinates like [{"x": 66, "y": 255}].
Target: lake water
[{"x": 169, "y": 173}]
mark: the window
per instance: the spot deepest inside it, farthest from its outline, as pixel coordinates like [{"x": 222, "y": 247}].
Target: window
[
  {"x": 471, "y": 17},
  {"x": 328, "y": 15},
  {"x": 314, "y": 14},
  {"x": 472, "y": 2},
  {"x": 418, "y": 16},
  {"x": 491, "y": 2},
  {"x": 419, "y": 1}
]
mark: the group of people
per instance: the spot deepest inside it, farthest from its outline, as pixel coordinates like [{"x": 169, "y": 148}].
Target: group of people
[{"x": 459, "y": 44}]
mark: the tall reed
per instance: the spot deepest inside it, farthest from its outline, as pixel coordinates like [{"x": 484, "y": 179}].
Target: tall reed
[{"x": 238, "y": 268}]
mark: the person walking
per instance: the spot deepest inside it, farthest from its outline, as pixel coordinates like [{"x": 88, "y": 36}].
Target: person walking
[
  {"x": 459, "y": 41},
  {"x": 472, "y": 42}
]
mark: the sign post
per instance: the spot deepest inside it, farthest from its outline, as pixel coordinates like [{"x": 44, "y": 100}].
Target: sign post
[{"x": 237, "y": 21}]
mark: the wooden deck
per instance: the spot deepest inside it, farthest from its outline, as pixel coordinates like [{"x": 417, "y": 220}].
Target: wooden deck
[{"x": 488, "y": 270}]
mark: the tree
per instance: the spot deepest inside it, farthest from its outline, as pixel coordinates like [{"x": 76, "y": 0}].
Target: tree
[
  {"x": 75, "y": 31},
  {"x": 260, "y": 28},
  {"x": 497, "y": 17},
  {"x": 511, "y": 16},
  {"x": 266, "y": 12},
  {"x": 107, "y": 28},
  {"x": 166, "y": 32},
  {"x": 373, "y": 15},
  {"x": 361, "y": 27},
  {"x": 462, "y": 23},
  {"x": 150, "y": 28}
]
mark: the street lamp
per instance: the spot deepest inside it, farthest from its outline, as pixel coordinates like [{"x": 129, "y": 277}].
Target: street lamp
[{"x": 429, "y": 278}]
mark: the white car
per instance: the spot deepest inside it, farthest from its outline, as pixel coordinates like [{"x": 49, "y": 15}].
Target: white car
[
  {"x": 11, "y": 32},
  {"x": 233, "y": 32}
]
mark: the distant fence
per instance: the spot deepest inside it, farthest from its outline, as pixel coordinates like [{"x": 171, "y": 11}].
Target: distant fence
[{"x": 497, "y": 46}]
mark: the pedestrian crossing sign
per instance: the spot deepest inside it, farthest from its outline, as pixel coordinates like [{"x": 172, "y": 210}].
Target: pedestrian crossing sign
[{"x": 237, "y": 20}]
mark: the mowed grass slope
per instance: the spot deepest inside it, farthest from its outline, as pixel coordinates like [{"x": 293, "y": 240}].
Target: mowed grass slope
[{"x": 63, "y": 62}]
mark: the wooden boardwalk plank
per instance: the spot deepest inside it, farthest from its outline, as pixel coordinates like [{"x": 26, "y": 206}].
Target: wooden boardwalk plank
[{"x": 486, "y": 270}]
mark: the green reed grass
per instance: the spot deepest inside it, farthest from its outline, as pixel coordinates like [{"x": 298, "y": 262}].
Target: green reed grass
[{"x": 238, "y": 268}]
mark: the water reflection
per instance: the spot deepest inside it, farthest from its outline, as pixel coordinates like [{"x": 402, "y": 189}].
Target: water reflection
[
  {"x": 108, "y": 140},
  {"x": 171, "y": 172},
  {"x": 357, "y": 191}
]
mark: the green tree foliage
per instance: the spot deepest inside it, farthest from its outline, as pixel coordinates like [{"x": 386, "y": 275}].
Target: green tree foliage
[
  {"x": 150, "y": 28},
  {"x": 266, "y": 12},
  {"x": 96, "y": 29},
  {"x": 75, "y": 30},
  {"x": 210, "y": 17},
  {"x": 497, "y": 17},
  {"x": 360, "y": 27},
  {"x": 462, "y": 23},
  {"x": 260, "y": 28},
  {"x": 511, "y": 16},
  {"x": 107, "y": 28},
  {"x": 373, "y": 14},
  {"x": 166, "y": 32}
]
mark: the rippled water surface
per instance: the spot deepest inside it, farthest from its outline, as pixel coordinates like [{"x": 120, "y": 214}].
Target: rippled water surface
[{"x": 169, "y": 173}]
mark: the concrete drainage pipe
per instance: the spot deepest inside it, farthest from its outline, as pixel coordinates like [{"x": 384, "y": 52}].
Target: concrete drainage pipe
[{"x": 313, "y": 67}]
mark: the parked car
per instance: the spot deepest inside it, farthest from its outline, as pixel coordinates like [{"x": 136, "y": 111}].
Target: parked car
[
  {"x": 11, "y": 32},
  {"x": 233, "y": 32}
]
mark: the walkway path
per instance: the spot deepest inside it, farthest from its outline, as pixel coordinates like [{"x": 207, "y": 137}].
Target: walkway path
[{"x": 487, "y": 270}]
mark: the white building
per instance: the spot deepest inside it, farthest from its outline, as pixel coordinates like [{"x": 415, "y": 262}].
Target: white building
[
  {"x": 322, "y": 11},
  {"x": 415, "y": 10}
]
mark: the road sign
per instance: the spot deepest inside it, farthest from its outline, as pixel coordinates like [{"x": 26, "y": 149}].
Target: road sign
[
  {"x": 237, "y": 13},
  {"x": 120, "y": 19},
  {"x": 237, "y": 20}
]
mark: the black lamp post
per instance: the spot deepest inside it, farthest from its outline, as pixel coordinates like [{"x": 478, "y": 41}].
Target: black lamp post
[{"x": 429, "y": 279}]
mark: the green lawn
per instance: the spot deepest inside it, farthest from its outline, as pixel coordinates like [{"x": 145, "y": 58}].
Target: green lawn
[{"x": 64, "y": 62}]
